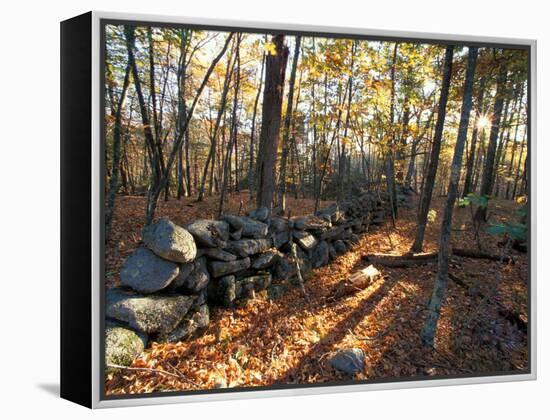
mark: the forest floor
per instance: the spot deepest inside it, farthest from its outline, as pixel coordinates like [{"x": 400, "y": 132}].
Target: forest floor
[{"x": 267, "y": 342}]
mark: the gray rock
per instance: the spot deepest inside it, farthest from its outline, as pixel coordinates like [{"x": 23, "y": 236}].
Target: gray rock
[
  {"x": 320, "y": 255},
  {"x": 236, "y": 222},
  {"x": 254, "y": 229},
  {"x": 122, "y": 346},
  {"x": 192, "y": 323},
  {"x": 276, "y": 291},
  {"x": 340, "y": 247},
  {"x": 333, "y": 211},
  {"x": 332, "y": 252},
  {"x": 265, "y": 260},
  {"x": 306, "y": 240},
  {"x": 349, "y": 361},
  {"x": 333, "y": 233},
  {"x": 197, "y": 279},
  {"x": 148, "y": 314},
  {"x": 223, "y": 268},
  {"x": 283, "y": 269},
  {"x": 236, "y": 235},
  {"x": 246, "y": 247},
  {"x": 185, "y": 271},
  {"x": 170, "y": 241},
  {"x": 145, "y": 272},
  {"x": 225, "y": 291},
  {"x": 311, "y": 223},
  {"x": 278, "y": 224},
  {"x": 280, "y": 239},
  {"x": 218, "y": 254},
  {"x": 260, "y": 214},
  {"x": 261, "y": 281},
  {"x": 209, "y": 233}
]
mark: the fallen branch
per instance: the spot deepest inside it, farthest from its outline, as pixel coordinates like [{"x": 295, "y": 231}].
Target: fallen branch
[
  {"x": 408, "y": 260},
  {"x": 356, "y": 282},
  {"x": 163, "y": 372}
]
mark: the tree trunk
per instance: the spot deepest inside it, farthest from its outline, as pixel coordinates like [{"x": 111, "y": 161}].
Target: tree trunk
[
  {"x": 468, "y": 180},
  {"x": 287, "y": 124},
  {"x": 434, "y": 156},
  {"x": 271, "y": 120},
  {"x": 488, "y": 170},
  {"x": 434, "y": 306},
  {"x": 117, "y": 133}
]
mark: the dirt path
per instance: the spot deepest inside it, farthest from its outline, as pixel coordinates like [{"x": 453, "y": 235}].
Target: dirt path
[{"x": 288, "y": 340}]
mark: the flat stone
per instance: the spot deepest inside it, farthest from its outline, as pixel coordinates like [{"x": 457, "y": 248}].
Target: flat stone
[
  {"x": 246, "y": 247},
  {"x": 306, "y": 240},
  {"x": 265, "y": 260},
  {"x": 236, "y": 222},
  {"x": 218, "y": 254},
  {"x": 333, "y": 233},
  {"x": 279, "y": 224},
  {"x": 209, "y": 233},
  {"x": 223, "y": 268},
  {"x": 253, "y": 228},
  {"x": 170, "y": 241},
  {"x": 148, "y": 314},
  {"x": 145, "y": 272}
]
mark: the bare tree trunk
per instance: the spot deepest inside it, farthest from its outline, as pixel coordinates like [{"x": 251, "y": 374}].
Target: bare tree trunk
[
  {"x": 117, "y": 132},
  {"x": 253, "y": 131},
  {"x": 287, "y": 124},
  {"x": 468, "y": 180},
  {"x": 488, "y": 170},
  {"x": 234, "y": 125},
  {"x": 434, "y": 157},
  {"x": 271, "y": 121},
  {"x": 389, "y": 159},
  {"x": 434, "y": 306}
]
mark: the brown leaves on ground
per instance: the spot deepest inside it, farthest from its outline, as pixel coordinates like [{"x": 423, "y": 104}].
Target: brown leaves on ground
[{"x": 289, "y": 341}]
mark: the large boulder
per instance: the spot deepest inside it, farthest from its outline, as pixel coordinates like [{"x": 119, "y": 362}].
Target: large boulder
[
  {"x": 261, "y": 214},
  {"x": 145, "y": 272},
  {"x": 223, "y": 290},
  {"x": 349, "y": 361},
  {"x": 195, "y": 280},
  {"x": 223, "y": 268},
  {"x": 283, "y": 269},
  {"x": 246, "y": 247},
  {"x": 194, "y": 321},
  {"x": 281, "y": 238},
  {"x": 209, "y": 233},
  {"x": 122, "y": 346},
  {"x": 148, "y": 314},
  {"x": 340, "y": 247},
  {"x": 170, "y": 241},
  {"x": 333, "y": 233},
  {"x": 320, "y": 255}
]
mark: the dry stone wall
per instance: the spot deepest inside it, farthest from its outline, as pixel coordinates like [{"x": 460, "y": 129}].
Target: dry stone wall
[{"x": 169, "y": 282}]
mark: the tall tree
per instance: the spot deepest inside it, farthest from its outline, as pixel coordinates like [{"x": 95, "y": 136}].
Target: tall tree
[
  {"x": 434, "y": 156},
  {"x": 117, "y": 134},
  {"x": 275, "y": 68},
  {"x": 287, "y": 125},
  {"x": 434, "y": 306},
  {"x": 488, "y": 169}
]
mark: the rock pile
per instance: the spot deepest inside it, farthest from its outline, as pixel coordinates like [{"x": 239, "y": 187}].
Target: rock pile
[{"x": 168, "y": 282}]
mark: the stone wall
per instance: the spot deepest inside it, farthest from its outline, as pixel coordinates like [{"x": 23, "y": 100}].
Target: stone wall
[{"x": 169, "y": 282}]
